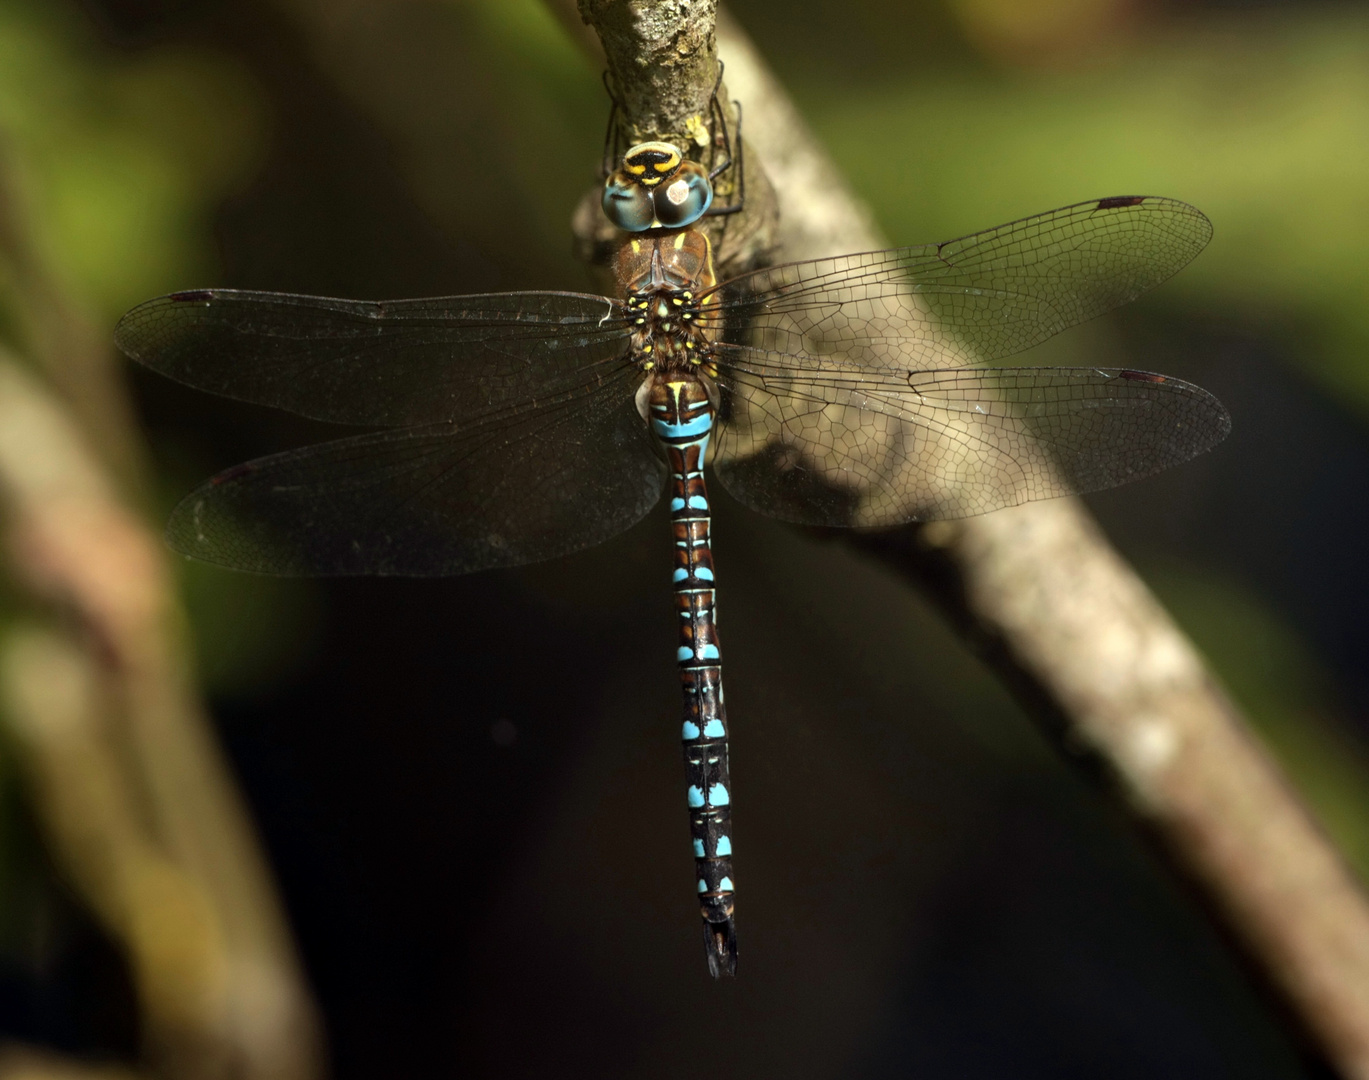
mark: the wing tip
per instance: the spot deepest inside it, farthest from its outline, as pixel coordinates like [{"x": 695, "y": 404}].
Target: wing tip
[
  {"x": 126, "y": 330},
  {"x": 1116, "y": 202},
  {"x": 1158, "y": 202}
]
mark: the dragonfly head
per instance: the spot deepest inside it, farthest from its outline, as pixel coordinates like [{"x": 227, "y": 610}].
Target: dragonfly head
[{"x": 656, "y": 188}]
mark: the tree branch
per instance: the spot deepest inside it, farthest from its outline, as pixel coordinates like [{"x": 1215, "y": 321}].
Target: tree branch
[{"x": 1061, "y": 618}]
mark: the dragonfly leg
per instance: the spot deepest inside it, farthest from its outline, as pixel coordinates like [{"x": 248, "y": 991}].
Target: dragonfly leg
[{"x": 719, "y": 120}]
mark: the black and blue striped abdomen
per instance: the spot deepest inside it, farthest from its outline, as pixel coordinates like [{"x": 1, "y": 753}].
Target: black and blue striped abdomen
[{"x": 681, "y": 414}]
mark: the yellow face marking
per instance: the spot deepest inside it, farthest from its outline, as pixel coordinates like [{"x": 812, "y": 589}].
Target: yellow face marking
[{"x": 661, "y": 157}]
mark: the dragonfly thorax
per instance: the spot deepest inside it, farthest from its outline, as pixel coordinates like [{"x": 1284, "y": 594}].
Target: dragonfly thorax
[
  {"x": 666, "y": 335},
  {"x": 667, "y": 281}
]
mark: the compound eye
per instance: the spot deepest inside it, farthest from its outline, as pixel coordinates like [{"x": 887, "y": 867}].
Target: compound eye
[
  {"x": 685, "y": 198},
  {"x": 627, "y": 204}
]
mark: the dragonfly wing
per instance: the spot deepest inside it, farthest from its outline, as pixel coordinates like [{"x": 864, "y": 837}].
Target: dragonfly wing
[
  {"x": 384, "y": 363},
  {"x": 806, "y": 442},
  {"x": 982, "y": 297},
  {"x": 436, "y": 500}
]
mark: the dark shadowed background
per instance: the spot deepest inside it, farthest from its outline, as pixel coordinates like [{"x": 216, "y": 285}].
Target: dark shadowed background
[{"x": 450, "y": 776}]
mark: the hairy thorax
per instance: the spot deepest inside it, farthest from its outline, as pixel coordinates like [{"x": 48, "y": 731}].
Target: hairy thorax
[{"x": 664, "y": 276}]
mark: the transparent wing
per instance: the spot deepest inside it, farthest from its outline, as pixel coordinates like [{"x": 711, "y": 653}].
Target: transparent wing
[
  {"x": 982, "y": 297},
  {"x": 514, "y": 487},
  {"x": 808, "y": 442},
  {"x": 385, "y": 363}
]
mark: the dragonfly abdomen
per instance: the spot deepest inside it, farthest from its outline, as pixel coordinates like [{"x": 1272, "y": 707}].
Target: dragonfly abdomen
[{"x": 681, "y": 414}]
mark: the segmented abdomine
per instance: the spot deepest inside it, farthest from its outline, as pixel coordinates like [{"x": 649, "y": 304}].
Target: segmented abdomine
[{"x": 681, "y": 414}]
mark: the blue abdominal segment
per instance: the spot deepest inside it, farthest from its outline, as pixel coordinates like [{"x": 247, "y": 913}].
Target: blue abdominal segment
[{"x": 681, "y": 414}]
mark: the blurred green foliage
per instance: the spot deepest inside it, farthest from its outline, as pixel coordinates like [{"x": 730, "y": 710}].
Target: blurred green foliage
[
  {"x": 1261, "y": 122},
  {"x": 115, "y": 165},
  {"x": 119, "y": 161}
]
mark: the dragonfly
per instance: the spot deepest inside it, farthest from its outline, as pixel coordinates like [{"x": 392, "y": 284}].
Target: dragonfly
[{"x": 515, "y": 427}]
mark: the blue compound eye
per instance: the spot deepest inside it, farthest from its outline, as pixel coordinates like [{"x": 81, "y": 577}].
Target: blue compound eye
[
  {"x": 684, "y": 198},
  {"x": 627, "y": 204}
]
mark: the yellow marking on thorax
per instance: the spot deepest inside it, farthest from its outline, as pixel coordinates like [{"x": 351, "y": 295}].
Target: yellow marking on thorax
[
  {"x": 679, "y": 242},
  {"x": 709, "y": 277}
]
